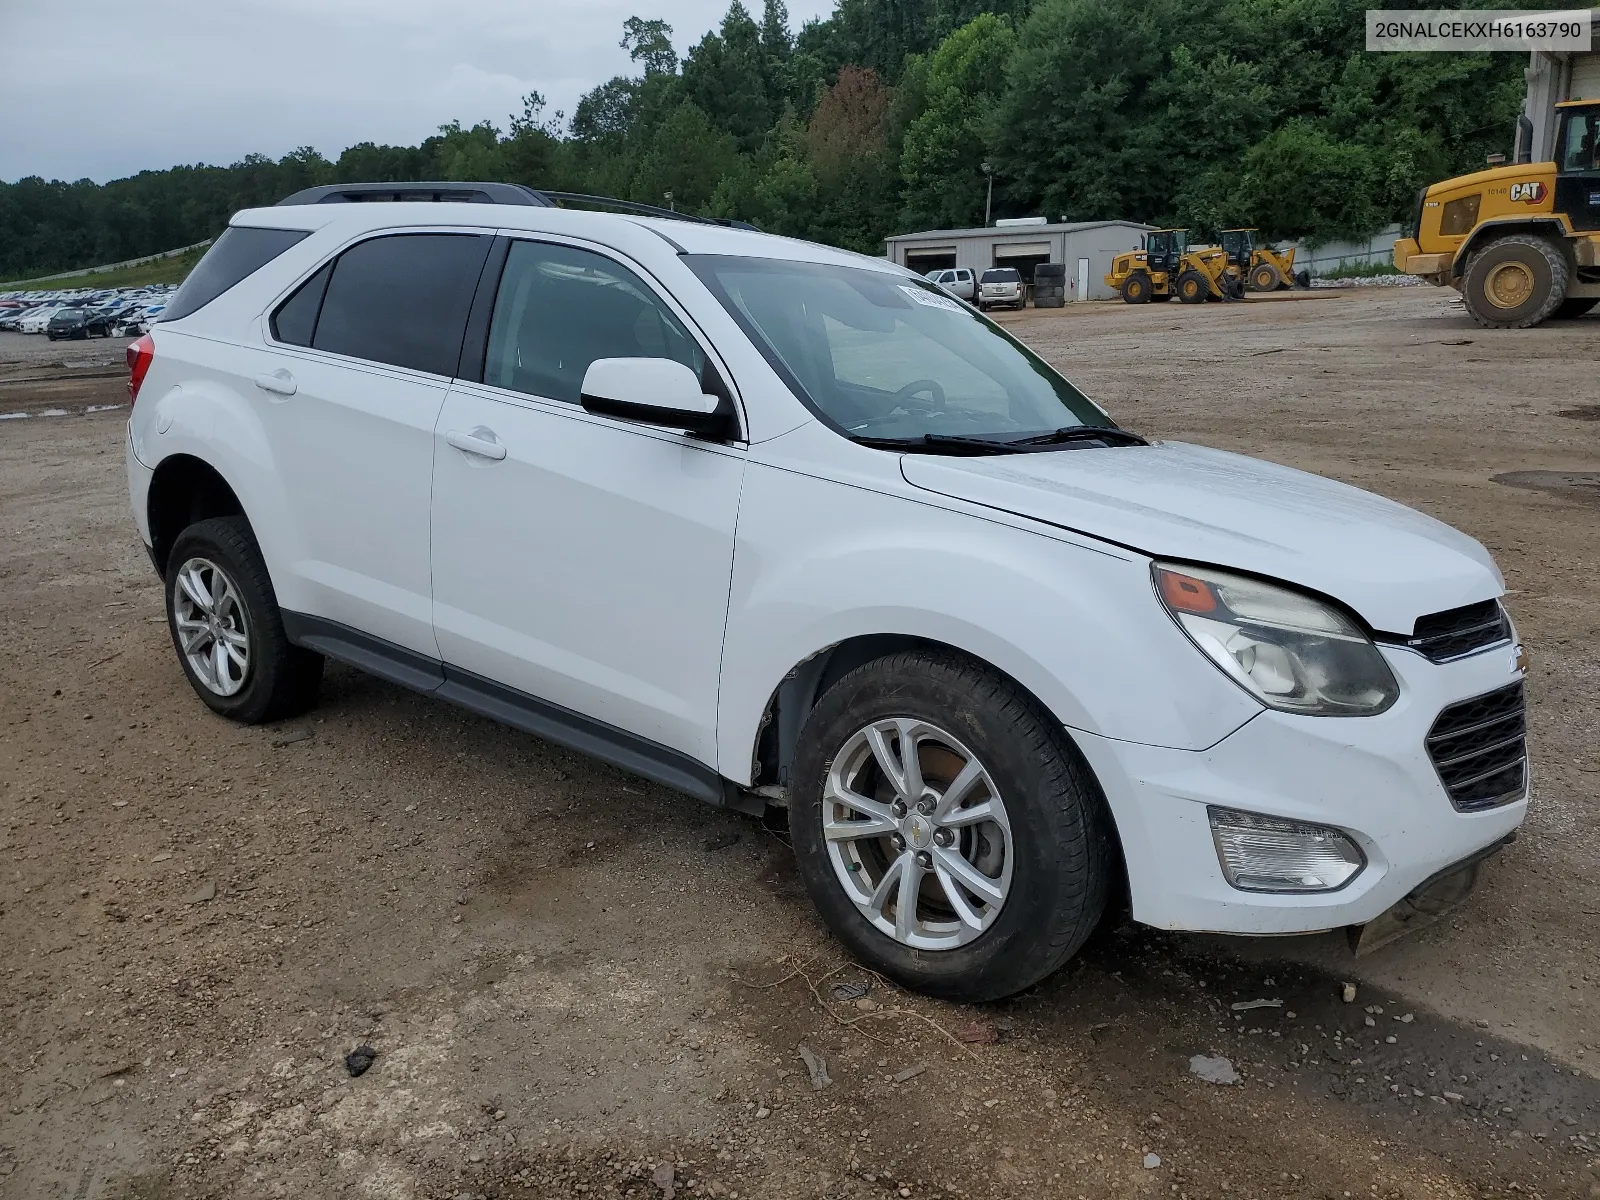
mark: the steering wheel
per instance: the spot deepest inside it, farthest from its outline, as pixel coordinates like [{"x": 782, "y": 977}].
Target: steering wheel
[{"x": 931, "y": 386}]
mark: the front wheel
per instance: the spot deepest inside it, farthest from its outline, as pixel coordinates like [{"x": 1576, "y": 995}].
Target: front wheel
[
  {"x": 1515, "y": 281},
  {"x": 227, "y": 630},
  {"x": 1265, "y": 277},
  {"x": 946, "y": 829},
  {"x": 1193, "y": 288},
  {"x": 1136, "y": 288}
]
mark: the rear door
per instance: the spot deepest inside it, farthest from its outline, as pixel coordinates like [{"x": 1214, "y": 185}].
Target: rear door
[
  {"x": 581, "y": 562},
  {"x": 360, "y": 358}
]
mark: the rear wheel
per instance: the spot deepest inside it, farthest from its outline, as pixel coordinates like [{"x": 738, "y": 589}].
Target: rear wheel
[
  {"x": 1136, "y": 288},
  {"x": 1193, "y": 287},
  {"x": 1573, "y": 306},
  {"x": 227, "y": 630},
  {"x": 947, "y": 831},
  {"x": 1265, "y": 277},
  {"x": 1515, "y": 281}
]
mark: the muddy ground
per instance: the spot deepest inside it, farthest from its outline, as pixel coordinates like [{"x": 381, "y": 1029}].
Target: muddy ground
[{"x": 579, "y": 984}]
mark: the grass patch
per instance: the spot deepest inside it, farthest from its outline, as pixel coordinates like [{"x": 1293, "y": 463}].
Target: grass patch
[
  {"x": 1360, "y": 270},
  {"x": 165, "y": 270}
]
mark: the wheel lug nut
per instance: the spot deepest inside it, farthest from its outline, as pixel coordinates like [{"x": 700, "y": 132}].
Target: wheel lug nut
[
  {"x": 898, "y": 842},
  {"x": 924, "y": 860},
  {"x": 897, "y": 809},
  {"x": 943, "y": 837},
  {"x": 925, "y": 807}
]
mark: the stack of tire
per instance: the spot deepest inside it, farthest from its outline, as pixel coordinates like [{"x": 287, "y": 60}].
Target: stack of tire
[{"x": 1050, "y": 285}]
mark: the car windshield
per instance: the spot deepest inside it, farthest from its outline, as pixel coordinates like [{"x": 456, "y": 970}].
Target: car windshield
[
  {"x": 882, "y": 355},
  {"x": 70, "y": 312}
]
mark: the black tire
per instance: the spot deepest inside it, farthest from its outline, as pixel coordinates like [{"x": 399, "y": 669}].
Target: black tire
[
  {"x": 1265, "y": 277},
  {"x": 1193, "y": 287},
  {"x": 1489, "y": 289},
  {"x": 1061, "y": 850},
  {"x": 1573, "y": 306},
  {"x": 1136, "y": 288},
  {"x": 281, "y": 679},
  {"x": 1302, "y": 277}
]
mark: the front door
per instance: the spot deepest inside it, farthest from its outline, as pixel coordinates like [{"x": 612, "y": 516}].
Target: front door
[
  {"x": 1083, "y": 279},
  {"x": 579, "y": 560},
  {"x": 1578, "y": 157}
]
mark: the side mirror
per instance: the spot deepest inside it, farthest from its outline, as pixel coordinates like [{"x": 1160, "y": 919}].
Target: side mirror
[{"x": 655, "y": 391}]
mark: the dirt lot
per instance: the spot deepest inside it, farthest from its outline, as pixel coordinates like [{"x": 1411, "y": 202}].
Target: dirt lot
[{"x": 580, "y": 984}]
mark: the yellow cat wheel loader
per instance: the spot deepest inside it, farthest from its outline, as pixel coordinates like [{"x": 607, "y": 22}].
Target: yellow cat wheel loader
[
  {"x": 1168, "y": 267},
  {"x": 1521, "y": 243},
  {"x": 1262, "y": 268}
]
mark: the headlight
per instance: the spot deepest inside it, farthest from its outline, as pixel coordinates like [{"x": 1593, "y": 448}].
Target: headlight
[{"x": 1289, "y": 651}]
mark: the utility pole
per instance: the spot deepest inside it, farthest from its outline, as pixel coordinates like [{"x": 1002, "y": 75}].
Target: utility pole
[{"x": 988, "y": 200}]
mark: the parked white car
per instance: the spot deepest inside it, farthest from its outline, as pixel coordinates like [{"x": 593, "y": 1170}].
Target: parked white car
[
  {"x": 770, "y": 523},
  {"x": 37, "y": 319}
]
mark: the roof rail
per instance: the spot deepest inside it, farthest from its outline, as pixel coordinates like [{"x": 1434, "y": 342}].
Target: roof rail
[
  {"x": 489, "y": 193},
  {"x": 425, "y": 192}
]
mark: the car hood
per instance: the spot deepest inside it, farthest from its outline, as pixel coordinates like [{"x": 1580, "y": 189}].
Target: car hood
[{"x": 1390, "y": 563}]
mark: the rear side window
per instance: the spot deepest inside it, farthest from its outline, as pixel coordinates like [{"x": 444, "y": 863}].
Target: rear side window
[
  {"x": 401, "y": 300},
  {"x": 295, "y": 321},
  {"x": 1002, "y": 275},
  {"x": 560, "y": 308},
  {"x": 240, "y": 252}
]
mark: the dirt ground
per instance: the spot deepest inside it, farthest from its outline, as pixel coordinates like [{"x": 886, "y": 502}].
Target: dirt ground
[{"x": 579, "y": 984}]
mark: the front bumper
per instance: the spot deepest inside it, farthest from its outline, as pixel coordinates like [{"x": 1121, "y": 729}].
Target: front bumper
[
  {"x": 1370, "y": 776},
  {"x": 1408, "y": 257}
]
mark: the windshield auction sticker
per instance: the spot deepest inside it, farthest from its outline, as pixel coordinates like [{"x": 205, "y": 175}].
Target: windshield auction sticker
[{"x": 1414, "y": 29}]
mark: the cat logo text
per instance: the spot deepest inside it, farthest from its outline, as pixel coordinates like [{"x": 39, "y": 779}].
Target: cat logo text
[{"x": 1527, "y": 193}]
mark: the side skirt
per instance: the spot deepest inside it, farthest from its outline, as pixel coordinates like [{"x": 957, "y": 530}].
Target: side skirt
[{"x": 619, "y": 748}]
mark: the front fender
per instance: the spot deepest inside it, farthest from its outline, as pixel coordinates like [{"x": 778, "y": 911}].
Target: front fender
[{"x": 1077, "y": 624}]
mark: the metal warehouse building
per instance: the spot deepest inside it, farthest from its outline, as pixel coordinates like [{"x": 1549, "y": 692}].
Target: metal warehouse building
[{"x": 1086, "y": 247}]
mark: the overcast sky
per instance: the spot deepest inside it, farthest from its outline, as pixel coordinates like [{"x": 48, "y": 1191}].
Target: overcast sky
[{"x": 103, "y": 90}]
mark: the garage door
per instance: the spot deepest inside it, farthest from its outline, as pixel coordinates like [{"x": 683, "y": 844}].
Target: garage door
[
  {"x": 1585, "y": 83},
  {"x": 1022, "y": 250}
]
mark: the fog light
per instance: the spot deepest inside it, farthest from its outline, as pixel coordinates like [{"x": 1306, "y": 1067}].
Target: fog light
[{"x": 1267, "y": 854}]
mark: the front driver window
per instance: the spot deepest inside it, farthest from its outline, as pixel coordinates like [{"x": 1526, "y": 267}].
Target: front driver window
[
  {"x": 1582, "y": 149},
  {"x": 560, "y": 308}
]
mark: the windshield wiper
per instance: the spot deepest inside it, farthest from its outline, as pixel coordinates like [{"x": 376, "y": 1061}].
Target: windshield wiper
[
  {"x": 1084, "y": 433},
  {"x": 943, "y": 441},
  {"x": 973, "y": 444}
]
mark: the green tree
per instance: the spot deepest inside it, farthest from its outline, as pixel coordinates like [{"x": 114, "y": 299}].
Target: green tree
[
  {"x": 687, "y": 156},
  {"x": 947, "y": 144},
  {"x": 726, "y": 76},
  {"x": 649, "y": 43}
]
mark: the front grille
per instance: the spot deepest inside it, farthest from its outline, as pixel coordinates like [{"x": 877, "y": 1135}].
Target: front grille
[
  {"x": 1442, "y": 636},
  {"x": 1479, "y": 748}
]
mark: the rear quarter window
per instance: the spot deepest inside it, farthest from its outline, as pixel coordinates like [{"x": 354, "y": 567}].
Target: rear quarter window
[{"x": 240, "y": 252}]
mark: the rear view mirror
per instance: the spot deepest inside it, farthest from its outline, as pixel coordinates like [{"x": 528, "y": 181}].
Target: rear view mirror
[{"x": 656, "y": 391}]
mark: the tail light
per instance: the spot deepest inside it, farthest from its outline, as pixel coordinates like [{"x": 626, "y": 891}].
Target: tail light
[{"x": 140, "y": 355}]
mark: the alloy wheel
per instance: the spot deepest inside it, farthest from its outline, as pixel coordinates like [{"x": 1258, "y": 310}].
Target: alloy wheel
[
  {"x": 213, "y": 634},
  {"x": 917, "y": 834}
]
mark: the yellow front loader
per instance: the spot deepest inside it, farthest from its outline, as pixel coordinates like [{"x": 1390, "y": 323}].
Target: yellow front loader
[
  {"x": 1168, "y": 267},
  {"x": 1521, "y": 243},
  {"x": 1262, "y": 268}
]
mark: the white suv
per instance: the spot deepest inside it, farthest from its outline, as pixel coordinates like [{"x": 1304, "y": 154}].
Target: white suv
[{"x": 770, "y": 523}]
